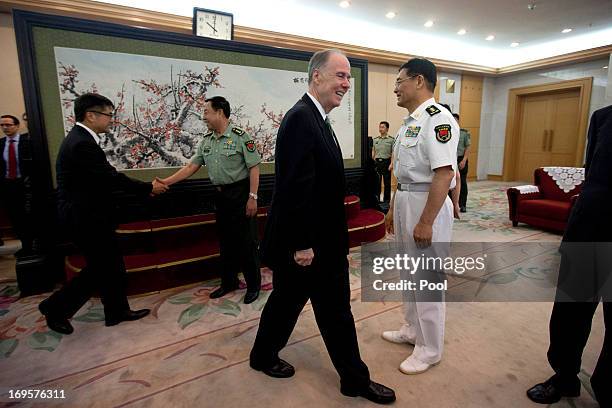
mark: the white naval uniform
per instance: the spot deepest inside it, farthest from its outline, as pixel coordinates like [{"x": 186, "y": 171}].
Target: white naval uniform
[{"x": 417, "y": 153}]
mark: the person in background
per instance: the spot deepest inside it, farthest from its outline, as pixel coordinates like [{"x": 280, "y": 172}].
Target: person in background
[
  {"x": 15, "y": 181},
  {"x": 381, "y": 153},
  {"x": 231, "y": 157},
  {"x": 463, "y": 151}
]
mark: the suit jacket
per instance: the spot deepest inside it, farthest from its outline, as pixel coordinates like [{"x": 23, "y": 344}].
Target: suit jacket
[
  {"x": 24, "y": 154},
  {"x": 86, "y": 182},
  {"x": 307, "y": 209},
  {"x": 591, "y": 217}
]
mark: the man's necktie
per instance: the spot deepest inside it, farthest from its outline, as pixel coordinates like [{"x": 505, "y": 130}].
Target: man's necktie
[
  {"x": 331, "y": 130},
  {"x": 12, "y": 160}
]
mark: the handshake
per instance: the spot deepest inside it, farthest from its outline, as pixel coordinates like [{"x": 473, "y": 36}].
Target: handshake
[{"x": 159, "y": 187}]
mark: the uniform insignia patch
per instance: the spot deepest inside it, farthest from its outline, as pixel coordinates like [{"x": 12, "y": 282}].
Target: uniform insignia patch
[
  {"x": 443, "y": 133},
  {"x": 412, "y": 131},
  {"x": 432, "y": 110},
  {"x": 250, "y": 145},
  {"x": 238, "y": 131}
]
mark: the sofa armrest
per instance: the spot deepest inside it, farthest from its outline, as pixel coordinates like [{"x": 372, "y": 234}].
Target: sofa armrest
[{"x": 519, "y": 193}]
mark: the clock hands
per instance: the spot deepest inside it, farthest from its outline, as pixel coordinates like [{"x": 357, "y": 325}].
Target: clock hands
[{"x": 214, "y": 29}]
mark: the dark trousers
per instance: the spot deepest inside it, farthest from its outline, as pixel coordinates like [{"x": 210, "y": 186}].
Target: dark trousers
[
  {"x": 570, "y": 326},
  {"x": 464, "y": 187},
  {"x": 238, "y": 236},
  {"x": 326, "y": 284},
  {"x": 16, "y": 199},
  {"x": 104, "y": 272},
  {"x": 382, "y": 169}
]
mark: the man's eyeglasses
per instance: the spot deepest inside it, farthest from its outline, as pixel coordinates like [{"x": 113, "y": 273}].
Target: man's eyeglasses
[
  {"x": 110, "y": 115},
  {"x": 7, "y": 124},
  {"x": 399, "y": 81}
]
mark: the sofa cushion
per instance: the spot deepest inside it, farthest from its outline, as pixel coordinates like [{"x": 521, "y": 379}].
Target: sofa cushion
[{"x": 544, "y": 208}]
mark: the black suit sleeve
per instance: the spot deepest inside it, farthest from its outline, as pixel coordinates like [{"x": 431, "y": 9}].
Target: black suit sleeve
[
  {"x": 91, "y": 157},
  {"x": 295, "y": 167}
]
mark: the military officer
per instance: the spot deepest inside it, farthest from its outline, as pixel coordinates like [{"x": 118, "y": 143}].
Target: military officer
[
  {"x": 463, "y": 151},
  {"x": 421, "y": 212},
  {"x": 233, "y": 167},
  {"x": 381, "y": 153}
]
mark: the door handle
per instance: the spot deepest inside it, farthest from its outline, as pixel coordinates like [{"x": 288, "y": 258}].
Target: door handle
[
  {"x": 550, "y": 140},
  {"x": 544, "y": 140}
]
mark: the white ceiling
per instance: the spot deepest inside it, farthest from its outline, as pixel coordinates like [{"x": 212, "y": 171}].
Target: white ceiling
[{"x": 364, "y": 23}]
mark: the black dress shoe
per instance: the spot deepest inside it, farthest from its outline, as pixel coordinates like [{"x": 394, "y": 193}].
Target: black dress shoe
[
  {"x": 374, "y": 392},
  {"x": 550, "y": 391},
  {"x": 221, "y": 291},
  {"x": 127, "y": 316},
  {"x": 57, "y": 324},
  {"x": 462, "y": 209},
  {"x": 281, "y": 369},
  {"x": 250, "y": 297}
]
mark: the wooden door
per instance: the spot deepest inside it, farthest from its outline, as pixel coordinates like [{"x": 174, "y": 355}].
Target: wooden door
[{"x": 548, "y": 132}]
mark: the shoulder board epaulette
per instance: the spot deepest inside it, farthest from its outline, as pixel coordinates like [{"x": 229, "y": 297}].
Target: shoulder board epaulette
[
  {"x": 432, "y": 110},
  {"x": 238, "y": 131},
  {"x": 209, "y": 133}
]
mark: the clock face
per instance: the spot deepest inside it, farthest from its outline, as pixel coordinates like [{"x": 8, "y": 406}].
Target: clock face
[{"x": 214, "y": 25}]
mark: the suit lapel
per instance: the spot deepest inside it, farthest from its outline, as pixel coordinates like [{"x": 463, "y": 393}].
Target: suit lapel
[{"x": 328, "y": 138}]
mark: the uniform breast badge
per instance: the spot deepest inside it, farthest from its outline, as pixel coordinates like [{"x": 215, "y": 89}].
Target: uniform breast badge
[{"x": 412, "y": 131}]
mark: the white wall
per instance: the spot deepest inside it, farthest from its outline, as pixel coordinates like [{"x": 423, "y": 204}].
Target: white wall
[
  {"x": 495, "y": 105},
  {"x": 452, "y": 99}
]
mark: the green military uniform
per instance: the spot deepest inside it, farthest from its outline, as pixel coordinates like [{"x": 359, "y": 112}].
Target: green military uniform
[
  {"x": 383, "y": 147},
  {"x": 228, "y": 158},
  {"x": 464, "y": 142}
]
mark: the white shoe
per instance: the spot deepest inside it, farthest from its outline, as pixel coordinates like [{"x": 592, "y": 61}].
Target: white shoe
[
  {"x": 413, "y": 365},
  {"x": 396, "y": 336}
]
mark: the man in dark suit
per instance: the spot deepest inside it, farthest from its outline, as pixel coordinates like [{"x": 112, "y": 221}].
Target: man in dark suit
[
  {"x": 306, "y": 237},
  {"x": 584, "y": 277},
  {"x": 15, "y": 180},
  {"x": 85, "y": 185}
]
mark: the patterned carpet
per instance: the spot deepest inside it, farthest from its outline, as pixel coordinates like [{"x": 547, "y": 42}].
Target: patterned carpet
[{"x": 193, "y": 351}]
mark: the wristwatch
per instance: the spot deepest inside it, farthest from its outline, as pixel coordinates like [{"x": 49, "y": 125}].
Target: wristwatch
[{"x": 253, "y": 196}]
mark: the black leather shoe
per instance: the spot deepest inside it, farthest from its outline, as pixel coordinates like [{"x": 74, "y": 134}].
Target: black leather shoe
[
  {"x": 374, "y": 392},
  {"x": 281, "y": 369},
  {"x": 462, "y": 209},
  {"x": 127, "y": 316},
  {"x": 550, "y": 392},
  {"x": 57, "y": 324},
  {"x": 221, "y": 291},
  {"x": 250, "y": 297}
]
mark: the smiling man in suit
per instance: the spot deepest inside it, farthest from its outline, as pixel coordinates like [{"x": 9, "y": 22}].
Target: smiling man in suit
[
  {"x": 86, "y": 182},
  {"x": 306, "y": 237}
]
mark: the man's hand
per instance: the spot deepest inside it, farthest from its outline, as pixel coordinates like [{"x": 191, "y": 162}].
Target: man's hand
[
  {"x": 159, "y": 187},
  {"x": 462, "y": 164},
  {"x": 251, "y": 207},
  {"x": 389, "y": 221},
  {"x": 303, "y": 257},
  {"x": 422, "y": 235}
]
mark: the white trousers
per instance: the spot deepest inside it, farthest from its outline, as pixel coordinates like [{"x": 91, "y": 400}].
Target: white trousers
[{"x": 424, "y": 319}]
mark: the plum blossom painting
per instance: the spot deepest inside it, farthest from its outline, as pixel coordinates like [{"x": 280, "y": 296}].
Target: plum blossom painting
[{"x": 159, "y": 102}]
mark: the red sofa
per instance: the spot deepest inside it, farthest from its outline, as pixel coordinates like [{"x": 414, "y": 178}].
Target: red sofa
[{"x": 548, "y": 202}]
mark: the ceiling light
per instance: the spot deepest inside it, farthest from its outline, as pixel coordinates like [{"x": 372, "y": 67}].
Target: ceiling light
[
  {"x": 566, "y": 30},
  {"x": 462, "y": 31},
  {"x": 345, "y": 4},
  {"x": 490, "y": 38},
  {"x": 514, "y": 44},
  {"x": 390, "y": 14},
  {"x": 606, "y": 67},
  {"x": 428, "y": 23}
]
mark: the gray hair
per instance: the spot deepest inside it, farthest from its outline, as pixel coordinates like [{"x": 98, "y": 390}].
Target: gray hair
[{"x": 319, "y": 59}]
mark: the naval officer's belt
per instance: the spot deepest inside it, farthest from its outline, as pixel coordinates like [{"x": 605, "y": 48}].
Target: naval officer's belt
[{"x": 414, "y": 187}]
